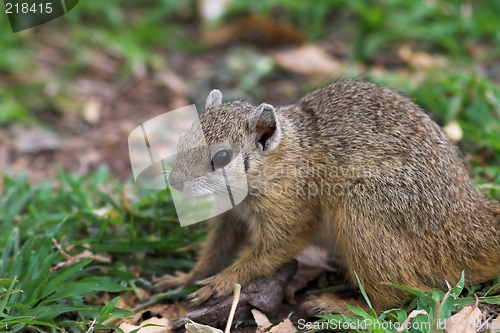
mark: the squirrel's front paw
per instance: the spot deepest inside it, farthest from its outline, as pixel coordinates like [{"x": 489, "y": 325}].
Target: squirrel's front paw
[
  {"x": 172, "y": 281},
  {"x": 213, "y": 287}
]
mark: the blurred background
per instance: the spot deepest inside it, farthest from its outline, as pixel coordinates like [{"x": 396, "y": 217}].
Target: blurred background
[{"x": 71, "y": 90}]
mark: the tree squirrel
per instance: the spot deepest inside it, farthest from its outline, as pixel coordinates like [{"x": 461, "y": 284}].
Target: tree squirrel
[{"x": 353, "y": 168}]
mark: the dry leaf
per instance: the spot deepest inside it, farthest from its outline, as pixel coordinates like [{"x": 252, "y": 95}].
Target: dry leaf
[
  {"x": 412, "y": 315},
  {"x": 175, "y": 310},
  {"x": 454, "y": 131},
  {"x": 254, "y": 29},
  {"x": 309, "y": 60},
  {"x": 129, "y": 299},
  {"x": 219, "y": 35},
  {"x": 262, "y": 321},
  {"x": 70, "y": 260},
  {"x": 466, "y": 320},
  {"x": 285, "y": 326},
  {"x": 154, "y": 310},
  {"x": 268, "y": 32},
  {"x": 420, "y": 60},
  {"x": 192, "y": 327},
  {"x": 263, "y": 324},
  {"x": 162, "y": 325},
  {"x": 494, "y": 326}
]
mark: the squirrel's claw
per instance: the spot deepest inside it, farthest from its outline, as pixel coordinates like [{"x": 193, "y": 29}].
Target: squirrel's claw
[
  {"x": 201, "y": 296},
  {"x": 213, "y": 287}
]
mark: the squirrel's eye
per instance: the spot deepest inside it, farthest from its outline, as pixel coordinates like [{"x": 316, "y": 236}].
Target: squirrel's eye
[{"x": 221, "y": 159}]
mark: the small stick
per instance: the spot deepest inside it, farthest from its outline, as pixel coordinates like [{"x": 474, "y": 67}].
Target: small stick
[{"x": 236, "y": 299}]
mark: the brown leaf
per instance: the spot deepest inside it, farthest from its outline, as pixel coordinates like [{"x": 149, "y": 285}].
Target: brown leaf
[
  {"x": 264, "y": 324},
  {"x": 285, "y": 326},
  {"x": 494, "y": 326},
  {"x": 129, "y": 299},
  {"x": 255, "y": 30},
  {"x": 219, "y": 35},
  {"x": 407, "y": 321},
  {"x": 267, "y": 31},
  {"x": 262, "y": 321},
  {"x": 193, "y": 327},
  {"x": 162, "y": 325},
  {"x": 70, "y": 260},
  {"x": 420, "y": 60},
  {"x": 466, "y": 320},
  {"x": 309, "y": 60}
]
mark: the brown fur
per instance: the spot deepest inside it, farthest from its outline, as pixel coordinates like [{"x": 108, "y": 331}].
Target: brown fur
[{"x": 401, "y": 207}]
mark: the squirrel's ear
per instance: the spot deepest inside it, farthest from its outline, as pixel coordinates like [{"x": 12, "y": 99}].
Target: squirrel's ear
[
  {"x": 267, "y": 129},
  {"x": 214, "y": 98}
]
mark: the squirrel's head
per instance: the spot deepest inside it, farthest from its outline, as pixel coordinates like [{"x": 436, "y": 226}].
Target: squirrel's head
[{"x": 219, "y": 150}]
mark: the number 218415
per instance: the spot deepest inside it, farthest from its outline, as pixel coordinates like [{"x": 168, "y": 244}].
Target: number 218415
[{"x": 25, "y": 8}]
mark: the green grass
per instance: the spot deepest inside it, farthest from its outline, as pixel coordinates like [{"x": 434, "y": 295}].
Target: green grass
[
  {"x": 434, "y": 307},
  {"x": 81, "y": 214}
]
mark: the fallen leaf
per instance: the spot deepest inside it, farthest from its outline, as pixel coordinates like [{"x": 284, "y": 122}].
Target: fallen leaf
[
  {"x": 494, "y": 326},
  {"x": 309, "y": 60},
  {"x": 264, "y": 324},
  {"x": 261, "y": 319},
  {"x": 254, "y": 29},
  {"x": 70, "y": 260},
  {"x": 412, "y": 315},
  {"x": 220, "y": 35},
  {"x": 285, "y": 326},
  {"x": 466, "y": 320},
  {"x": 157, "y": 325},
  {"x": 193, "y": 327},
  {"x": 129, "y": 299},
  {"x": 266, "y": 31},
  {"x": 420, "y": 60},
  {"x": 160, "y": 310}
]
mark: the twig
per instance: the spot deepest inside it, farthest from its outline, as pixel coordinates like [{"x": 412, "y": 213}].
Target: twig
[
  {"x": 91, "y": 325},
  {"x": 236, "y": 299}
]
